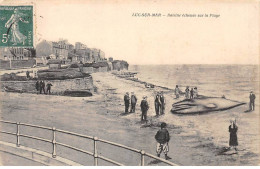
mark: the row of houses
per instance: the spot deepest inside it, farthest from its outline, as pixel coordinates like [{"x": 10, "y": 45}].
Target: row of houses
[
  {"x": 91, "y": 67},
  {"x": 62, "y": 52},
  {"x": 67, "y": 52}
]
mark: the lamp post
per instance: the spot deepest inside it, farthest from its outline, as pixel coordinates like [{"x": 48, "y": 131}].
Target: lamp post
[{"x": 10, "y": 62}]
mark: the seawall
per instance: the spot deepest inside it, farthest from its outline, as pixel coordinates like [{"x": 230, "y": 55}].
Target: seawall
[{"x": 59, "y": 86}]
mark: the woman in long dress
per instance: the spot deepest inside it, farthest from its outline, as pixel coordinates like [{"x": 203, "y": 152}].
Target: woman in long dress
[
  {"x": 13, "y": 25},
  {"x": 233, "y": 135}
]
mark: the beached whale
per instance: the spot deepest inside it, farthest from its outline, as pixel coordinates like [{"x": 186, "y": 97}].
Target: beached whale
[{"x": 203, "y": 104}]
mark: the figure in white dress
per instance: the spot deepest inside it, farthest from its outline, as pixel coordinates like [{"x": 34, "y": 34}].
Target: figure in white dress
[{"x": 13, "y": 25}]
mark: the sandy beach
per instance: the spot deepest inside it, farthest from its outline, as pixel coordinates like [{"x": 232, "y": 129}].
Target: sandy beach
[{"x": 103, "y": 112}]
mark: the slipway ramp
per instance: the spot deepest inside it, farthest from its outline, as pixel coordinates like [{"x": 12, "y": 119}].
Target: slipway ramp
[
  {"x": 35, "y": 155},
  {"x": 203, "y": 104}
]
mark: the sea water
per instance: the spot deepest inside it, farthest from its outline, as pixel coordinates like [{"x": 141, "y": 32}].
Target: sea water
[{"x": 233, "y": 81}]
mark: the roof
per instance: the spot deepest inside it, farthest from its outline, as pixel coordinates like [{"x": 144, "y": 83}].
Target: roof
[
  {"x": 96, "y": 65},
  {"x": 54, "y": 61}
]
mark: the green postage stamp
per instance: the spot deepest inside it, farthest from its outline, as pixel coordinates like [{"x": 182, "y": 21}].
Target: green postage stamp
[{"x": 16, "y": 26}]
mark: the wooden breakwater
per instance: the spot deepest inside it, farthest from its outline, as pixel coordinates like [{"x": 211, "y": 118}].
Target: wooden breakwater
[{"x": 131, "y": 76}]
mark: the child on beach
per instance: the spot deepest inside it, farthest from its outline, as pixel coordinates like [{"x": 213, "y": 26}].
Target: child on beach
[{"x": 162, "y": 137}]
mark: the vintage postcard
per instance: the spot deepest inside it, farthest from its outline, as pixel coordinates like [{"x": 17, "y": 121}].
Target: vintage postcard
[{"x": 129, "y": 83}]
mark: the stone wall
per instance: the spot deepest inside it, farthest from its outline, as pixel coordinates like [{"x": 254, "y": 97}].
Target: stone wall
[
  {"x": 59, "y": 86},
  {"x": 5, "y": 64}
]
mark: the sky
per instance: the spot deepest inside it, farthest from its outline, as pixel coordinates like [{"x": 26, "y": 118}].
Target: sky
[{"x": 231, "y": 38}]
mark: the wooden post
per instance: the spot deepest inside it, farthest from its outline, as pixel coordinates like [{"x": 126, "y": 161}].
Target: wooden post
[
  {"x": 18, "y": 134},
  {"x": 54, "y": 143},
  {"x": 142, "y": 157},
  {"x": 95, "y": 151}
]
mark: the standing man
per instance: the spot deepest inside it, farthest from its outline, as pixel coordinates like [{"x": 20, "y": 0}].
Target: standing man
[
  {"x": 144, "y": 108},
  {"x": 49, "y": 87},
  {"x": 195, "y": 92},
  {"x": 163, "y": 102},
  {"x": 133, "y": 102},
  {"x": 162, "y": 137},
  {"x": 157, "y": 104},
  {"x": 37, "y": 86},
  {"x": 27, "y": 74},
  {"x": 43, "y": 86},
  {"x": 191, "y": 93},
  {"x": 127, "y": 102},
  {"x": 40, "y": 86},
  {"x": 187, "y": 92},
  {"x": 252, "y": 101},
  {"x": 177, "y": 92}
]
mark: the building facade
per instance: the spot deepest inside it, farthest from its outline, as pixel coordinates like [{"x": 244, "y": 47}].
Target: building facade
[
  {"x": 79, "y": 45},
  {"x": 54, "y": 50},
  {"x": 15, "y": 53}
]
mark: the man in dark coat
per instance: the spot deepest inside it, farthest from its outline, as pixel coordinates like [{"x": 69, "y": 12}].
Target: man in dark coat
[
  {"x": 191, "y": 93},
  {"x": 49, "y": 87},
  {"x": 162, "y": 137},
  {"x": 144, "y": 108},
  {"x": 37, "y": 85},
  {"x": 133, "y": 102},
  {"x": 157, "y": 104},
  {"x": 163, "y": 103},
  {"x": 40, "y": 86},
  {"x": 252, "y": 101},
  {"x": 43, "y": 86},
  {"x": 127, "y": 102},
  {"x": 27, "y": 74}
]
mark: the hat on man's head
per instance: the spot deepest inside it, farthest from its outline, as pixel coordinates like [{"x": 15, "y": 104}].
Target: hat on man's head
[{"x": 163, "y": 125}]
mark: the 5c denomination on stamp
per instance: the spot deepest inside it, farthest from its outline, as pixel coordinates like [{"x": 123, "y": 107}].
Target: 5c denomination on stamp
[{"x": 16, "y": 26}]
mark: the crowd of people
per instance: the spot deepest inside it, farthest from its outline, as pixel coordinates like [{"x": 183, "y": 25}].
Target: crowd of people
[
  {"x": 159, "y": 104},
  {"x": 162, "y": 136},
  {"x": 190, "y": 93},
  {"x": 40, "y": 87}
]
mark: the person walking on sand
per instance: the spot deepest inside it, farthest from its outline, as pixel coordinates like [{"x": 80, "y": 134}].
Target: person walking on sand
[
  {"x": 163, "y": 103},
  {"x": 133, "y": 102},
  {"x": 233, "y": 135},
  {"x": 157, "y": 104},
  {"x": 162, "y": 137},
  {"x": 144, "y": 108},
  {"x": 37, "y": 85},
  {"x": 187, "y": 92},
  {"x": 191, "y": 93},
  {"x": 251, "y": 101},
  {"x": 177, "y": 92},
  {"x": 127, "y": 102},
  {"x": 48, "y": 87}
]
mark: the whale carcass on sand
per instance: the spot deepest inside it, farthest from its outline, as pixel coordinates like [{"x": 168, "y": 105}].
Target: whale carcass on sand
[{"x": 203, "y": 104}]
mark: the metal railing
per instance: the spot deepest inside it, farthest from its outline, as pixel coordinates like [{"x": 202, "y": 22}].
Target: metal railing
[{"x": 94, "y": 154}]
